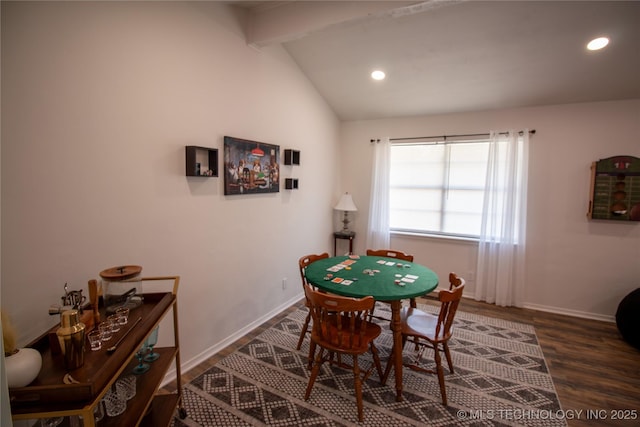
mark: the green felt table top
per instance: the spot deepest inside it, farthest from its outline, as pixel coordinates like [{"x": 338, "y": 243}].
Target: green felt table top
[{"x": 381, "y": 285}]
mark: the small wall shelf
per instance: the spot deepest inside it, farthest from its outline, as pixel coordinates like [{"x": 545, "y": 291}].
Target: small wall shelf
[
  {"x": 291, "y": 183},
  {"x": 291, "y": 157},
  {"x": 201, "y": 161}
]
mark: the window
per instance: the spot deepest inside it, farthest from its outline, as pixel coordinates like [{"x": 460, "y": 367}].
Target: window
[{"x": 437, "y": 187}]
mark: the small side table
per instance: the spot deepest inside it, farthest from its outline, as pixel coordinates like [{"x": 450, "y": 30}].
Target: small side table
[{"x": 345, "y": 235}]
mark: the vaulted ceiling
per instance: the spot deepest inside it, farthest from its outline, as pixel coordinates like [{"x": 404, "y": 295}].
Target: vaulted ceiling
[{"x": 443, "y": 56}]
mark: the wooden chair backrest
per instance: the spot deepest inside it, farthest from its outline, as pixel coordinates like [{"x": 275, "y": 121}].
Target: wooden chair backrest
[
  {"x": 390, "y": 253},
  {"x": 339, "y": 323},
  {"x": 449, "y": 301},
  {"x": 304, "y": 261}
]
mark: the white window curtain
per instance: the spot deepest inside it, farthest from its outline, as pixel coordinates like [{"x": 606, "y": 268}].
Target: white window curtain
[
  {"x": 378, "y": 230},
  {"x": 501, "y": 252}
]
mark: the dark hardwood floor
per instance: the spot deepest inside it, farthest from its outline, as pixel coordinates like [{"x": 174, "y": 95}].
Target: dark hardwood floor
[{"x": 593, "y": 368}]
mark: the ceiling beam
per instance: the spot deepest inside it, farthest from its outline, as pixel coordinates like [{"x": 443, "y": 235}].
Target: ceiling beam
[{"x": 279, "y": 22}]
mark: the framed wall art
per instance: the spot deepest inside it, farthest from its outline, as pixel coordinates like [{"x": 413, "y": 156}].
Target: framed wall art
[
  {"x": 250, "y": 167},
  {"x": 615, "y": 189}
]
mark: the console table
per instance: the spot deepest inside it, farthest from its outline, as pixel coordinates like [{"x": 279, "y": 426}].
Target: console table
[
  {"x": 48, "y": 396},
  {"x": 345, "y": 235}
]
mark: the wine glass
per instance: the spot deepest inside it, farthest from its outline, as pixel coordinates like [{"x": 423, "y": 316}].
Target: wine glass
[
  {"x": 51, "y": 422},
  {"x": 152, "y": 340},
  {"x": 141, "y": 368}
]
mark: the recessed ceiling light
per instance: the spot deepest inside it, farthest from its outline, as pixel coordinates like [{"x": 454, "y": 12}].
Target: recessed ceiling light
[
  {"x": 597, "y": 44},
  {"x": 378, "y": 75}
]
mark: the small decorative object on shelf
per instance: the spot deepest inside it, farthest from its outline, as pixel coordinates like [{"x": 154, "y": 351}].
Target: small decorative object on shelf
[
  {"x": 291, "y": 157},
  {"x": 291, "y": 183},
  {"x": 71, "y": 337},
  {"x": 122, "y": 287},
  {"x": 22, "y": 365},
  {"x": 201, "y": 161}
]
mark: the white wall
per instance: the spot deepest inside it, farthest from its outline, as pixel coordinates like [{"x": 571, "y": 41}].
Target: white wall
[
  {"x": 574, "y": 266},
  {"x": 99, "y": 100}
]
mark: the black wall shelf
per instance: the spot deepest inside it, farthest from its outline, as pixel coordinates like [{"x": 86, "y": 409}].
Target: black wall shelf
[
  {"x": 291, "y": 157},
  {"x": 291, "y": 183},
  {"x": 201, "y": 161}
]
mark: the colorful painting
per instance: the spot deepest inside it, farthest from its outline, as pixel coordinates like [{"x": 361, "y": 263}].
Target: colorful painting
[{"x": 250, "y": 167}]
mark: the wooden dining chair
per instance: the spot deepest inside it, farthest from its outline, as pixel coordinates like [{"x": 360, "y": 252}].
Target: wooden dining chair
[
  {"x": 430, "y": 331},
  {"x": 390, "y": 253},
  {"x": 340, "y": 326},
  {"x": 303, "y": 263}
]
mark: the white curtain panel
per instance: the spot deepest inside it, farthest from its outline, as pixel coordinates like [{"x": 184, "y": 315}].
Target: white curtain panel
[
  {"x": 500, "y": 268},
  {"x": 378, "y": 230}
]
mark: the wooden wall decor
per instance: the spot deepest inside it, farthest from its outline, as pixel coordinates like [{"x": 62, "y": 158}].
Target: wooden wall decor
[{"x": 615, "y": 189}]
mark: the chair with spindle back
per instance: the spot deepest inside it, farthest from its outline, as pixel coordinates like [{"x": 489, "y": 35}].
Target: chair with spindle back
[
  {"x": 303, "y": 263},
  {"x": 340, "y": 326},
  {"x": 391, "y": 253},
  {"x": 430, "y": 331}
]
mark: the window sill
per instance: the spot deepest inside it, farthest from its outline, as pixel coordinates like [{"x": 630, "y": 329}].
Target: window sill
[{"x": 470, "y": 240}]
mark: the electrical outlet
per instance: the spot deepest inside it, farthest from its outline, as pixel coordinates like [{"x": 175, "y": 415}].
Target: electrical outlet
[
  {"x": 471, "y": 276},
  {"x": 284, "y": 283}
]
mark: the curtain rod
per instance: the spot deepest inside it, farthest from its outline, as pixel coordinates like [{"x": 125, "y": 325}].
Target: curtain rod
[{"x": 533, "y": 131}]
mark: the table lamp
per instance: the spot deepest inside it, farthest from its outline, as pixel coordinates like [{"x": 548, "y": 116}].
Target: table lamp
[{"x": 346, "y": 205}]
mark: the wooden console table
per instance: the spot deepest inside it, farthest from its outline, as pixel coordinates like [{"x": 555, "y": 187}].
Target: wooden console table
[
  {"x": 346, "y": 235},
  {"x": 48, "y": 396}
]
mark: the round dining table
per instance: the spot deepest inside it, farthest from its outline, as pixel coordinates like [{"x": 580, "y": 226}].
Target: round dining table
[{"x": 385, "y": 279}]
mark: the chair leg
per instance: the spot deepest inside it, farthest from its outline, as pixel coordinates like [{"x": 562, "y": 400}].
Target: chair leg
[
  {"x": 312, "y": 351},
  {"x": 304, "y": 330},
  {"x": 376, "y": 360},
  {"x": 391, "y": 361},
  {"x": 314, "y": 373},
  {"x": 440, "y": 372},
  {"x": 358, "y": 386},
  {"x": 448, "y": 355},
  {"x": 387, "y": 369}
]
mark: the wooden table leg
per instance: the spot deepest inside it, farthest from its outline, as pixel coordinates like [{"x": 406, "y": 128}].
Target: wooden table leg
[{"x": 397, "y": 346}]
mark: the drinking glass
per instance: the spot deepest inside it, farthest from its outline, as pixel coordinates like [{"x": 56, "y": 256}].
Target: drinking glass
[
  {"x": 105, "y": 328},
  {"x": 141, "y": 368},
  {"x": 126, "y": 387},
  {"x": 152, "y": 340},
  {"x": 114, "y": 404},
  {"x": 95, "y": 340},
  {"x": 123, "y": 315},
  {"x": 115, "y": 322},
  {"x": 98, "y": 411},
  {"x": 51, "y": 422}
]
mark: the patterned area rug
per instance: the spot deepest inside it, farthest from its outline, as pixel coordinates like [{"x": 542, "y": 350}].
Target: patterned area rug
[{"x": 500, "y": 379}]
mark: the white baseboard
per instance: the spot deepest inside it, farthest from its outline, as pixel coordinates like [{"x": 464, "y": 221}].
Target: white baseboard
[
  {"x": 195, "y": 361},
  {"x": 573, "y": 313},
  {"x": 562, "y": 311}
]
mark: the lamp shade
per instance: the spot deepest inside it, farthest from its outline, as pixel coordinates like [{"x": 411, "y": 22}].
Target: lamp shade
[{"x": 346, "y": 204}]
